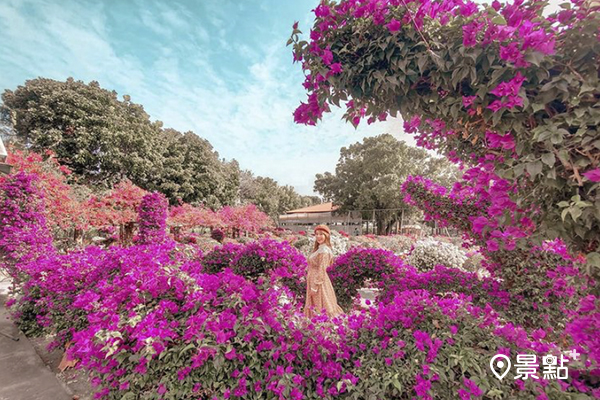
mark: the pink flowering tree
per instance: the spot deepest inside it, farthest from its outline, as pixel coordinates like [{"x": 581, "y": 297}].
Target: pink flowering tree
[
  {"x": 118, "y": 207},
  {"x": 152, "y": 218},
  {"x": 24, "y": 235},
  {"x": 65, "y": 207},
  {"x": 246, "y": 218}
]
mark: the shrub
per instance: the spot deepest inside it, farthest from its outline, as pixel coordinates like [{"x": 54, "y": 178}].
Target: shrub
[
  {"x": 399, "y": 244},
  {"x": 152, "y": 218},
  {"x": 231, "y": 339},
  {"x": 475, "y": 262},
  {"x": 428, "y": 253},
  {"x": 267, "y": 256},
  {"x": 204, "y": 242},
  {"x": 244, "y": 240},
  {"x": 218, "y": 235},
  {"x": 350, "y": 271},
  {"x": 24, "y": 235},
  {"x": 220, "y": 257},
  {"x": 302, "y": 244},
  {"x": 364, "y": 242}
]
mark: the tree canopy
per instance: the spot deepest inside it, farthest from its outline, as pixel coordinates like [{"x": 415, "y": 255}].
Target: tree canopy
[
  {"x": 369, "y": 174},
  {"x": 96, "y": 135},
  {"x": 104, "y": 140},
  {"x": 270, "y": 197}
]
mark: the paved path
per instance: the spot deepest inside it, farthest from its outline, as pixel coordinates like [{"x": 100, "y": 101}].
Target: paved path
[{"x": 23, "y": 375}]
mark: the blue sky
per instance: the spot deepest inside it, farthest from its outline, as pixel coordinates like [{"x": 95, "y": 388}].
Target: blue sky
[{"x": 218, "y": 68}]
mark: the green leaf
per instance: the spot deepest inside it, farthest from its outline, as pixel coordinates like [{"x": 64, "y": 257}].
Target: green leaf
[
  {"x": 534, "y": 168},
  {"x": 593, "y": 259},
  {"x": 556, "y": 138},
  {"x": 549, "y": 159},
  {"x": 499, "y": 20},
  {"x": 421, "y": 63},
  {"x": 537, "y": 107},
  {"x": 519, "y": 169},
  {"x": 535, "y": 57},
  {"x": 575, "y": 212}
]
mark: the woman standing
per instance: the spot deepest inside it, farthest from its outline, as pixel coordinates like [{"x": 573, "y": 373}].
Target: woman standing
[{"x": 320, "y": 295}]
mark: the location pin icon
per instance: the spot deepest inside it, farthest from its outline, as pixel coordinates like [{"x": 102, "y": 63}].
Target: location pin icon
[{"x": 500, "y": 363}]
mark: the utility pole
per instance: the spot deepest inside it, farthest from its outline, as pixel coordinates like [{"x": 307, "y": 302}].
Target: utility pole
[{"x": 373, "y": 222}]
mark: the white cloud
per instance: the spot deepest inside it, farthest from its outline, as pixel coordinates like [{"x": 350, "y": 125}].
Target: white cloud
[{"x": 246, "y": 115}]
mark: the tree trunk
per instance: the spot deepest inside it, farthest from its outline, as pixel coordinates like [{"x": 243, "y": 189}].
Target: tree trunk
[
  {"x": 176, "y": 231},
  {"x": 78, "y": 236},
  {"x": 380, "y": 227},
  {"x": 389, "y": 226},
  {"x": 126, "y": 233}
]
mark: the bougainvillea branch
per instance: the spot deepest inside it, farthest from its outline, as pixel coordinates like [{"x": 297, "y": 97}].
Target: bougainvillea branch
[{"x": 501, "y": 82}]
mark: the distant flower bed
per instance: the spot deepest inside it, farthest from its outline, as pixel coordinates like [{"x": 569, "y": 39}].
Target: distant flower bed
[{"x": 428, "y": 253}]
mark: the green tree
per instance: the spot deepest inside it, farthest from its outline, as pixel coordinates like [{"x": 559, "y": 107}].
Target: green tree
[
  {"x": 96, "y": 135},
  {"x": 369, "y": 174},
  {"x": 105, "y": 140},
  {"x": 269, "y": 196}
]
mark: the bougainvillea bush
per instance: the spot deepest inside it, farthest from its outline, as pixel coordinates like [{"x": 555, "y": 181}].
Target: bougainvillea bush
[
  {"x": 152, "y": 219},
  {"x": 399, "y": 244},
  {"x": 267, "y": 257},
  {"x": 350, "y": 271},
  {"x": 428, "y": 253},
  {"x": 149, "y": 323},
  {"x": 24, "y": 235},
  {"x": 509, "y": 94}
]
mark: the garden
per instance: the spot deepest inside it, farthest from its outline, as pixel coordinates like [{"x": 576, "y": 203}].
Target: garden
[{"x": 156, "y": 299}]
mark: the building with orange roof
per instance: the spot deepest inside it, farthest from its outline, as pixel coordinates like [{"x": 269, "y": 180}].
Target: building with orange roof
[{"x": 305, "y": 219}]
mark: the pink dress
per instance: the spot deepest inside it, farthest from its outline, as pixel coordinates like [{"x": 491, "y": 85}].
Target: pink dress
[{"x": 319, "y": 290}]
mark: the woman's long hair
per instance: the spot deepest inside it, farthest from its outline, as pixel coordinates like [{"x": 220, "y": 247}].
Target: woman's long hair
[{"x": 327, "y": 241}]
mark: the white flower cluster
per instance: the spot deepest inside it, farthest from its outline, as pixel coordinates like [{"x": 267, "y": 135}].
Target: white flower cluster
[
  {"x": 429, "y": 252},
  {"x": 339, "y": 243},
  {"x": 364, "y": 242},
  {"x": 399, "y": 244}
]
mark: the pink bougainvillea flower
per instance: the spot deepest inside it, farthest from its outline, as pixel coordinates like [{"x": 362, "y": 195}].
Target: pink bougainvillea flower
[
  {"x": 505, "y": 142},
  {"x": 468, "y": 9},
  {"x": 327, "y": 57},
  {"x": 492, "y": 245},
  {"x": 336, "y": 68},
  {"x": 394, "y": 25},
  {"x": 470, "y": 32},
  {"x": 509, "y": 88},
  {"x": 412, "y": 125},
  {"x": 468, "y": 100},
  {"x": 593, "y": 175},
  {"x": 322, "y": 11}
]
